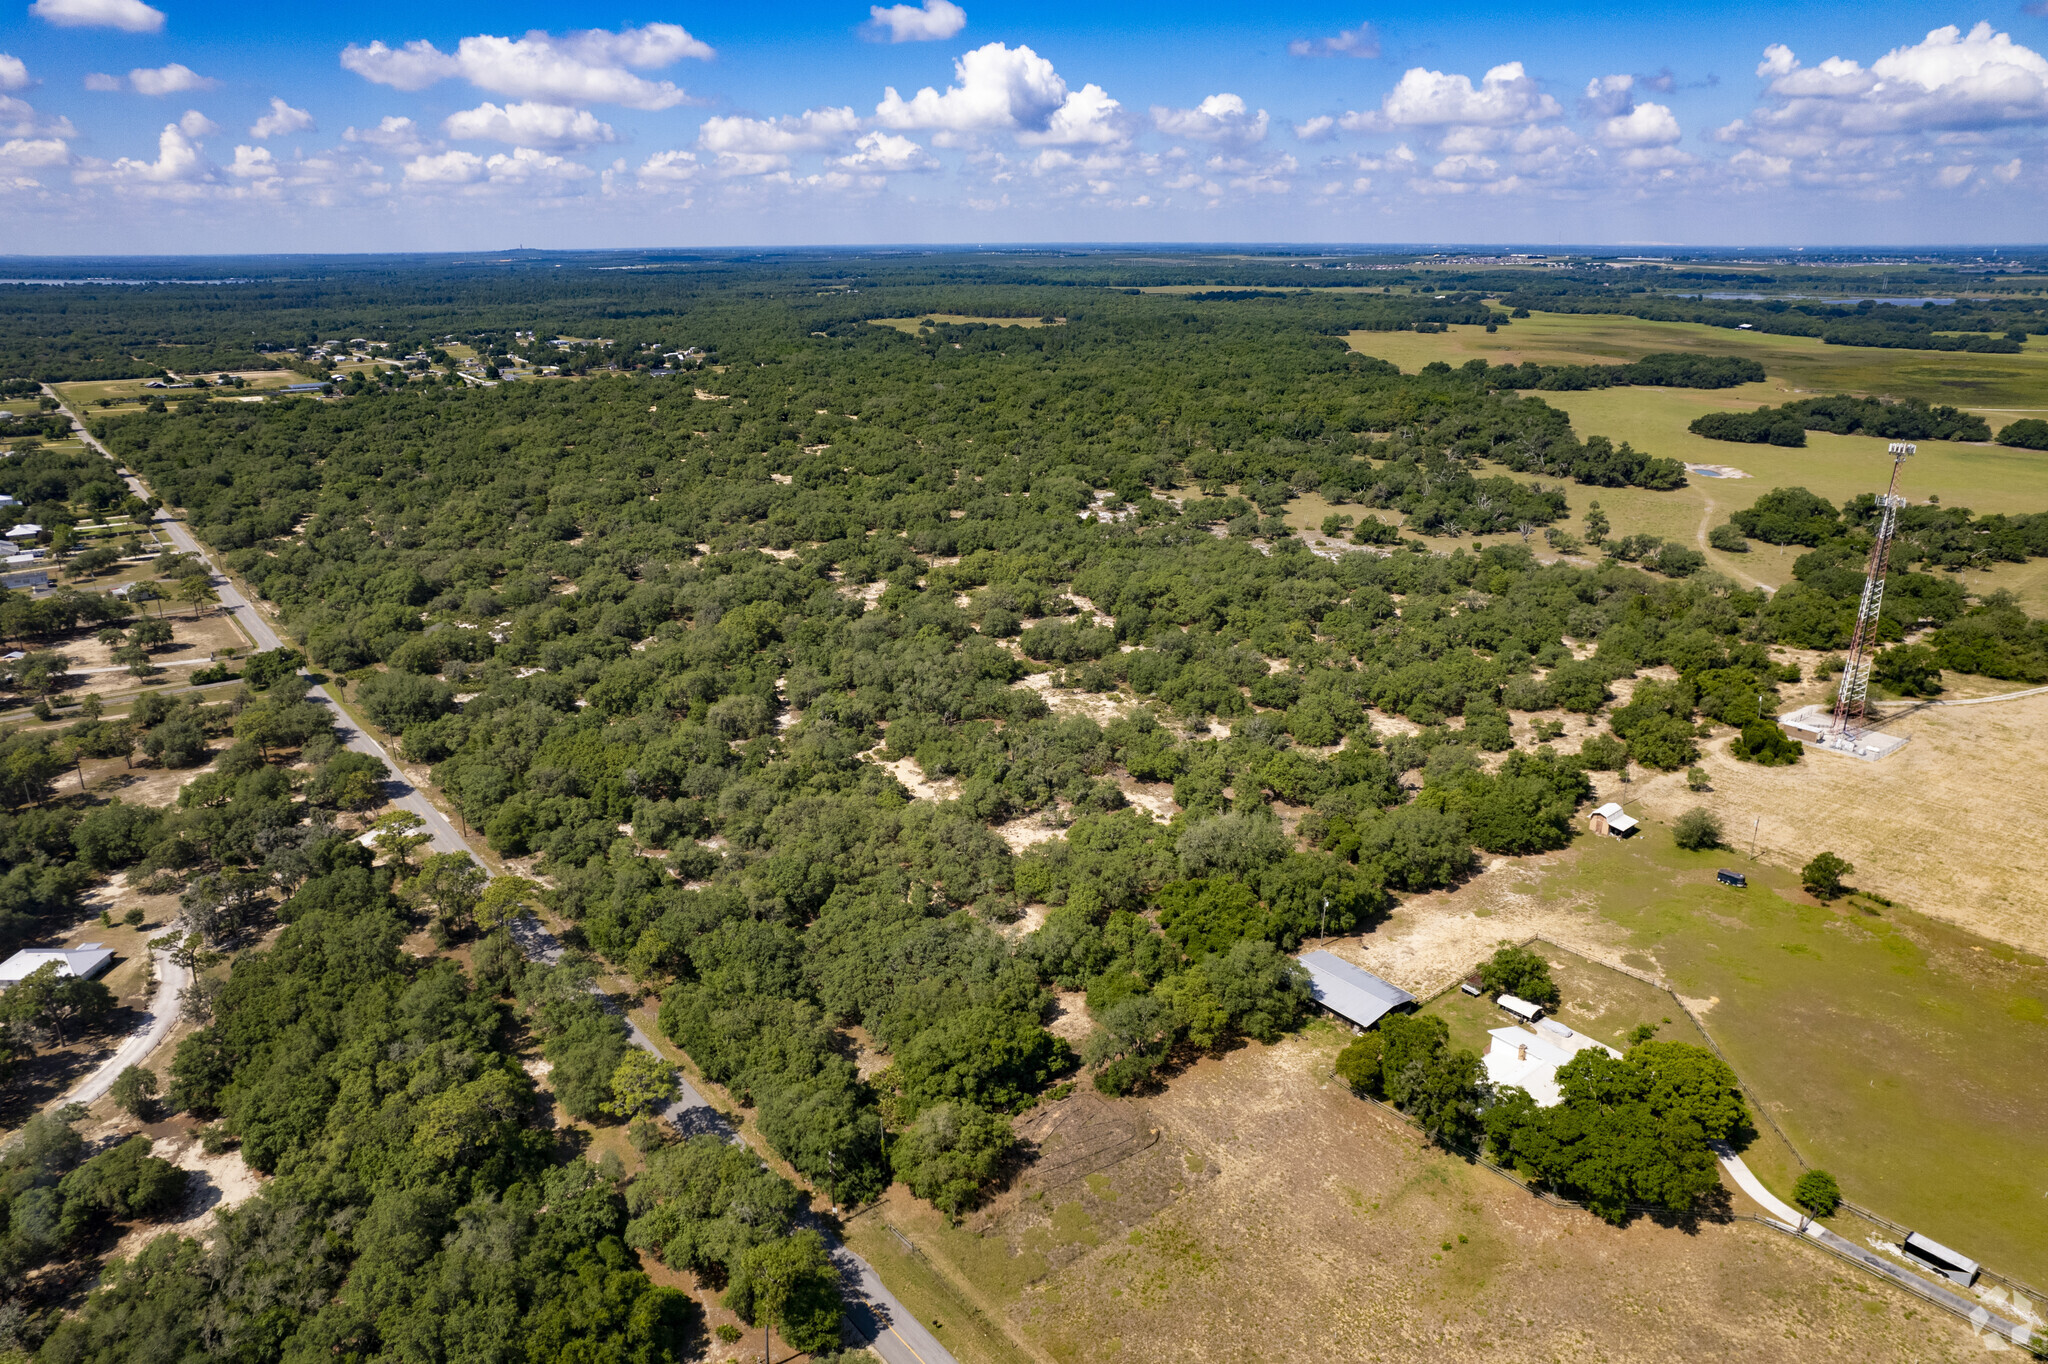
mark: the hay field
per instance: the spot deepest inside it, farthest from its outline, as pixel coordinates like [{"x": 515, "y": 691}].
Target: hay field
[
  {"x": 1261, "y": 1212},
  {"x": 1954, "y": 824}
]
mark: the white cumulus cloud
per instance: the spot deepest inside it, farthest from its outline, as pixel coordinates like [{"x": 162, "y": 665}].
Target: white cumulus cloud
[
  {"x": 395, "y": 134},
  {"x": 1646, "y": 125},
  {"x": 879, "y": 153},
  {"x": 527, "y": 165},
  {"x": 812, "y": 130},
  {"x": 36, "y": 152},
  {"x": 1004, "y": 89},
  {"x": 529, "y": 124},
  {"x": 446, "y": 168},
  {"x": 1352, "y": 42},
  {"x": 196, "y": 125},
  {"x": 102, "y": 81},
  {"x": 131, "y": 16},
  {"x": 177, "y": 160},
  {"x": 593, "y": 66},
  {"x": 1223, "y": 118},
  {"x": 281, "y": 119},
  {"x": 1321, "y": 128},
  {"x": 1949, "y": 81},
  {"x": 668, "y": 170},
  {"x": 1505, "y": 94},
  {"x": 929, "y": 22},
  {"x": 175, "y": 79},
  {"x": 253, "y": 163},
  {"x": 18, "y": 118},
  {"x": 13, "y": 73}
]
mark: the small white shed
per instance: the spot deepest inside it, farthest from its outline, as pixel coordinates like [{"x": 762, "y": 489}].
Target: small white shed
[
  {"x": 1612, "y": 819},
  {"x": 1521, "y": 1008}
]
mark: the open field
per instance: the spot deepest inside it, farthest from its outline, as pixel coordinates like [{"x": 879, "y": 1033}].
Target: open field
[
  {"x": 1985, "y": 478},
  {"x": 1797, "y": 365},
  {"x": 1894, "y": 1049},
  {"x": 1263, "y": 1213},
  {"x": 911, "y": 324}
]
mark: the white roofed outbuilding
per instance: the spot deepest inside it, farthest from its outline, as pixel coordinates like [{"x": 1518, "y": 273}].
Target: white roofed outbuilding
[{"x": 84, "y": 962}]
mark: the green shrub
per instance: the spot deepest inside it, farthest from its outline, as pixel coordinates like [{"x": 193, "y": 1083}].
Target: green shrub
[
  {"x": 1818, "y": 1193},
  {"x": 1519, "y": 971},
  {"x": 1822, "y": 877},
  {"x": 1697, "y": 829}
]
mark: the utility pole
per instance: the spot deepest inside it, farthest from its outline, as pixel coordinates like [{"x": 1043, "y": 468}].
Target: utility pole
[
  {"x": 1325, "y": 931},
  {"x": 1756, "y": 824}
]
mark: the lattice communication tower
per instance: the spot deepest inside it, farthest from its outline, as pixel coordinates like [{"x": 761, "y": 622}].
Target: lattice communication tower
[{"x": 1848, "y": 721}]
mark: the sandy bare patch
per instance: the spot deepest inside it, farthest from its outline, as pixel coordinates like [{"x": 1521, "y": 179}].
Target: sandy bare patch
[
  {"x": 912, "y": 776},
  {"x": 213, "y": 1184},
  {"x": 1070, "y": 1017},
  {"x": 1431, "y": 941},
  {"x": 1103, "y": 707},
  {"x": 1027, "y": 831},
  {"x": 866, "y": 595},
  {"x": 1155, "y": 798}
]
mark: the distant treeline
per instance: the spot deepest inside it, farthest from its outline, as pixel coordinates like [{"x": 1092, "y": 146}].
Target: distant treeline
[
  {"x": 1665, "y": 369},
  {"x": 1997, "y": 327},
  {"x": 1843, "y": 415}
]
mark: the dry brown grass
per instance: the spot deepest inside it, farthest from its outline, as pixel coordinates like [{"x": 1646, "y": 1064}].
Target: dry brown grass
[
  {"x": 1257, "y": 1211},
  {"x": 1955, "y": 824}
]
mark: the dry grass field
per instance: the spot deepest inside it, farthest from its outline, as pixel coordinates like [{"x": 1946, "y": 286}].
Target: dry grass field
[{"x": 1257, "y": 1211}]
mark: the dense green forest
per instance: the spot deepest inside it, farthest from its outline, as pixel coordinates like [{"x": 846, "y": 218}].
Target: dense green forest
[
  {"x": 1908, "y": 419},
  {"x": 252, "y": 313},
  {"x": 660, "y": 633}
]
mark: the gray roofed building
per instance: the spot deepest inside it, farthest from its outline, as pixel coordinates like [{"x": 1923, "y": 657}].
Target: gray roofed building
[
  {"x": 1351, "y": 992},
  {"x": 84, "y": 962}
]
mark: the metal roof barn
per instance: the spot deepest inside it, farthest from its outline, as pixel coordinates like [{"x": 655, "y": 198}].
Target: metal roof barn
[
  {"x": 83, "y": 962},
  {"x": 1351, "y": 992}
]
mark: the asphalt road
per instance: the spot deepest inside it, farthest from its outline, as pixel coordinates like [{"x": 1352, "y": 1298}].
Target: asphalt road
[
  {"x": 884, "y": 1324},
  {"x": 443, "y": 835}
]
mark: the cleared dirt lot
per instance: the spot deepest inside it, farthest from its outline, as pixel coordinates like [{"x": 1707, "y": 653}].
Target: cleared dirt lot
[{"x": 1257, "y": 1211}]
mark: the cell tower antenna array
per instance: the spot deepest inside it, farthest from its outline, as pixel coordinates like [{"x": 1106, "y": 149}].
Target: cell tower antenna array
[{"x": 1848, "y": 721}]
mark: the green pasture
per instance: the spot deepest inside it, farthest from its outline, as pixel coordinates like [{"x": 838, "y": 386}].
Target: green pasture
[
  {"x": 1992, "y": 384},
  {"x": 1900, "y": 1054},
  {"x": 1983, "y": 477}
]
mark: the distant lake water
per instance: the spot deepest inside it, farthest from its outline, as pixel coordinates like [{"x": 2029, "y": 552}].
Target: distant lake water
[{"x": 1814, "y": 298}]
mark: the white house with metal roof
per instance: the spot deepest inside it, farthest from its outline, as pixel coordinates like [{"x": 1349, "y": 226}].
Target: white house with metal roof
[
  {"x": 1352, "y": 993},
  {"x": 84, "y": 961},
  {"x": 1529, "y": 1057}
]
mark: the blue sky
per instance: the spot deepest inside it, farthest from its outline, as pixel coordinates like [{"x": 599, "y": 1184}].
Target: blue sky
[{"x": 175, "y": 127}]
